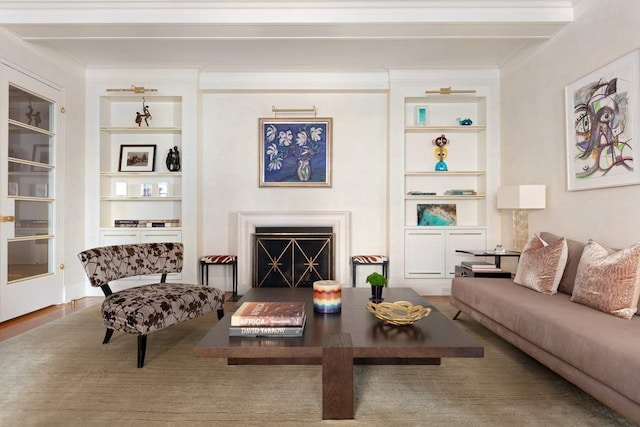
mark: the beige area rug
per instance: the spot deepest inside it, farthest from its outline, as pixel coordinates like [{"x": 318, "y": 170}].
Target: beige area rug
[{"x": 61, "y": 374}]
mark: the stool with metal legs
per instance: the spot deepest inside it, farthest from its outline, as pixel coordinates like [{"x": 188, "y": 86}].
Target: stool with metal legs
[
  {"x": 357, "y": 260},
  {"x": 231, "y": 260}
]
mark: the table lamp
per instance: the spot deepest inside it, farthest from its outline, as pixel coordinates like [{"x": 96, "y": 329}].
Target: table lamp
[{"x": 521, "y": 198}]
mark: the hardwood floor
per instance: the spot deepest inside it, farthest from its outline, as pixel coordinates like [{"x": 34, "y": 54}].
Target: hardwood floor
[{"x": 22, "y": 324}]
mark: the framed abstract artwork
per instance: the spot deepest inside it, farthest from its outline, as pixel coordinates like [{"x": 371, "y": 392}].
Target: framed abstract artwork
[
  {"x": 438, "y": 214},
  {"x": 295, "y": 152},
  {"x": 602, "y": 126}
]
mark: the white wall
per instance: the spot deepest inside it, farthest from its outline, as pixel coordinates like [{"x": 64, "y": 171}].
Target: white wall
[
  {"x": 69, "y": 76},
  {"x": 230, "y": 161},
  {"x": 533, "y": 125}
]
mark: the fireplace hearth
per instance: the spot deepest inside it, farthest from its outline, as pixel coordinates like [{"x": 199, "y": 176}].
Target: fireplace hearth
[{"x": 292, "y": 256}]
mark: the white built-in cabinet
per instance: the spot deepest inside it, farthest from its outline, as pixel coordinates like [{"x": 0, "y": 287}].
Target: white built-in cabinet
[
  {"x": 120, "y": 236},
  {"x": 423, "y": 253},
  {"x": 431, "y": 253}
]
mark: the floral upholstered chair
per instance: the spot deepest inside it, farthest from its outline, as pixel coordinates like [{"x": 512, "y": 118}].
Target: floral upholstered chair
[{"x": 143, "y": 309}]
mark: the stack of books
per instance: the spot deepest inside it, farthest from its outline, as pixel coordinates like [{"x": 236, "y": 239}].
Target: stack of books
[
  {"x": 461, "y": 192},
  {"x": 479, "y": 266},
  {"x": 268, "y": 319},
  {"x": 421, "y": 193},
  {"x": 140, "y": 223}
]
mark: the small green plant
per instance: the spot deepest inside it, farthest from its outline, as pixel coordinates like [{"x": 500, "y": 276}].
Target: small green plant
[{"x": 376, "y": 279}]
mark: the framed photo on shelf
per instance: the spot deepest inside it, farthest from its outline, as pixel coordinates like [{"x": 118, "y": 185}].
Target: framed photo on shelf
[
  {"x": 137, "y": 158},
  {"x": 163, "y": 189},
  {"x": 13, "y": 188},
  {"x": 437, "y": 214},
  {"x": 121, "y": 189},
  {"x": 295, "y": 152},
  {"x": 40, "y": 154},
  {"x": 603, "y": 123},
  {"x": 146, "y": 189}
]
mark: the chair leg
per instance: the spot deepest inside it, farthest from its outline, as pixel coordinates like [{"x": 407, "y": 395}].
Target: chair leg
[
  {"x": 220, "y": 313},
  {"x": 142, "y": 348},
  {"x": 107, "y": 336}
]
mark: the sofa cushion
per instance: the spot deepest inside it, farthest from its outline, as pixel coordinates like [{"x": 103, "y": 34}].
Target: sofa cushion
[
  {"x": 590, "y": 340},
  {"x": 541, "y": 265},
  {"x": 609, "y": 280},
  {"x": 574, "y": 253}
]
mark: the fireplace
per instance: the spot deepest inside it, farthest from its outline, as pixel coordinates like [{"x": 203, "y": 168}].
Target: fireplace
[
  {"x": 247, "y": 222},
  {"x": 292, "y": 256}
]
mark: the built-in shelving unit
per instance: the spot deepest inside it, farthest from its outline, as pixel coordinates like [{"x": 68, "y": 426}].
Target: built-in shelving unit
[
  {"x": 465, "y": 160},
  {"x": 149, "y": 195},
  {"x": 114, "y": 191},
  {"x": 423, "y": 253}
]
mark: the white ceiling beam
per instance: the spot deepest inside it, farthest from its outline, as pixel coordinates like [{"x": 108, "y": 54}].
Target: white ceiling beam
[
  {"x": 33, "y": 32},
  {"x": 291, "y": 15}
]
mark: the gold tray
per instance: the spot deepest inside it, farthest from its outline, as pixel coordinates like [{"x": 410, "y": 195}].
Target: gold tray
[{"x": 399, "y": 313}]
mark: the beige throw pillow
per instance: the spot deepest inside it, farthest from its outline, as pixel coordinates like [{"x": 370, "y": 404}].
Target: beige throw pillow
[
  {"x": 609, "y": 280},
  {"x": 541, "y": 265}
]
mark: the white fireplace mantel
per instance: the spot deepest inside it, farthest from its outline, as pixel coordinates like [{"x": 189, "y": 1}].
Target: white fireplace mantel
[{"x": 248, "y": 221}]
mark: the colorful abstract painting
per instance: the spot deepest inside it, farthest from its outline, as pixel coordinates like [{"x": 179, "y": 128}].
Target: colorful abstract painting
[{"x": 601, "y": 118}]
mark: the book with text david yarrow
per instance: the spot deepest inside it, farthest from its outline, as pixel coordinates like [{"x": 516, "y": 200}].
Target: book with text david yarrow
[
  {"x": 253, "y": 313},
  {"x": 267, "y": 331}
]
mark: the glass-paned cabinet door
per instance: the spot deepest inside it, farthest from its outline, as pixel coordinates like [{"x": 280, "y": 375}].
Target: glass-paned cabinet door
[{"x": 30, "y": 178}]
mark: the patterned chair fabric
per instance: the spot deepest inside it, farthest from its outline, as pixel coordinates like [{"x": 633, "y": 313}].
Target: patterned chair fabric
[
  {"x": 147, "y": 308},
  {"x": 109, "y": 263}
]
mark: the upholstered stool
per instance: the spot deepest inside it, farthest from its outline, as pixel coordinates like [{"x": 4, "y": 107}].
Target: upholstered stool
[
  {"x": 357, "y": 260},
  {"x": 231, "y": 260}
]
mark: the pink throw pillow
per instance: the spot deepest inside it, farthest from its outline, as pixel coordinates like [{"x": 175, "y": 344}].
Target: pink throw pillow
[
  {"x": 541, "y": 265},
  {"x": 609, "y": 280}
]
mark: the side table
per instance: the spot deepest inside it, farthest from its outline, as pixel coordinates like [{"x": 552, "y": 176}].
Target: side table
[
  {"x": 496, "y": 255},
  {"x": 465, "y": 272}
]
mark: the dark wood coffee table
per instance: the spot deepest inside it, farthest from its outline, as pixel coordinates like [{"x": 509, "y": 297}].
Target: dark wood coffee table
[{"x": 338, "y": 341}]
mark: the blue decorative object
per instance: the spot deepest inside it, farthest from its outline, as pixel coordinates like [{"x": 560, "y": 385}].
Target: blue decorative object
[
  {"x": 464, "y": 122},
  {"x": 441, "y": 166},
  {"x": 441, "y": 152}
]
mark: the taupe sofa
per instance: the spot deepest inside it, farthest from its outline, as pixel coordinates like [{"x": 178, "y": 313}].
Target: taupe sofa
[{"x": 598, "y": 352}]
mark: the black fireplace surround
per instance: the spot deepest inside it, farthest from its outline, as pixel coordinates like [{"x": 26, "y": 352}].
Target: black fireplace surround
[{"x": 292, "y": 256}]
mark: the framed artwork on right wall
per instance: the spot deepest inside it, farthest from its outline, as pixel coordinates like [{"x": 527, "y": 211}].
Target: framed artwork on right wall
[{"x": 602, "y": 126}]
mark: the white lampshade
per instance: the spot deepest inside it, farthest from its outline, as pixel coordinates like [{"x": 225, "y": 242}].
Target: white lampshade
[{"x": 522, "y": 197}]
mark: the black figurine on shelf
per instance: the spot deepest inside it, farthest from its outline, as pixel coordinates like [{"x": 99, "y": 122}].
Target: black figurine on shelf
[
  {"x": 33, "y": 117},
  {"x": 173, "y": 159},
  {"x": 146, "y": 114}
]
